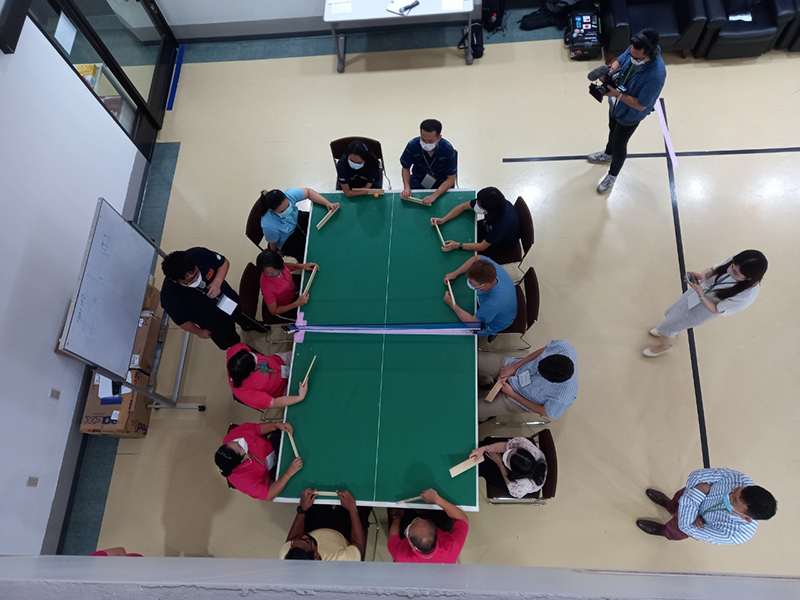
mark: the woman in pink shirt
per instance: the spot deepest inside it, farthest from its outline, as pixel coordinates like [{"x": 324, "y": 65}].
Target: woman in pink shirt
[
  {"x": 278, "y": 285},
  {"x": 259, "y": 380},
  {"x": 248, "y": 460}
]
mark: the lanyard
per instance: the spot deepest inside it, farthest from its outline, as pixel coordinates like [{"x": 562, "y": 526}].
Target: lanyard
[
  {"x": 719, "y": 281},
  {"x": 425, "y": 158},
  {"x": 719, "y": 506},
  {"x": 263, "y": 367},
  {"x": 256, "y": 459}
]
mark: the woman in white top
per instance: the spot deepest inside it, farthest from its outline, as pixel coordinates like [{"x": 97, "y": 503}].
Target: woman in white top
[
  {"x": 518, "y": 464},
  {"x": 724, "y": 289}
]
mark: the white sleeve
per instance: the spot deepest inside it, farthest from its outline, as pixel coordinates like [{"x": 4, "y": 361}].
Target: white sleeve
[{"x": 739, "y": 302}]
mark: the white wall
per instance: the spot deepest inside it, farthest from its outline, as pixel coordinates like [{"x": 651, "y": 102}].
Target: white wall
[{"x": 59, "y": 151}]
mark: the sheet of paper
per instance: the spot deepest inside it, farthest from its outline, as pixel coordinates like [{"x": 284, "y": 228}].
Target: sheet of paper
[
  {"x": 225, "y": 304},
  {"x": 65, "y": 33},
  {"x": 105, "y": 390},
  {"x": 692, "y": 299},
  {"x": 284, "y": 372},
  {"x": 452, "y": 4},
  {"x": 525, "y": 378},
  {"x": 743, "y": 17},
  {"x": 341, "y": 8}
]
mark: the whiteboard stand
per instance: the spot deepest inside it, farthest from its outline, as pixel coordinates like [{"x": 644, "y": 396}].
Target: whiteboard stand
[{"x": 103, "y": 317}]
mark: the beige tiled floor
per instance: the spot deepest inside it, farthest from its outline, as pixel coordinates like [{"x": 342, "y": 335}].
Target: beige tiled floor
[{"x": 607, "y": 269}]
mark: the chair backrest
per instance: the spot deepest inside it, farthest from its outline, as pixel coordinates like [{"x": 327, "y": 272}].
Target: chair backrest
[
  {"x": 253, "y": 229},
  {"x": 339, "y": 147},
  {"x": 531, "y": 283},
  {"x": 548, "y": 448},
  {"x": 520, "y": 324},
  {"x": 249, "y": 289},
  {"x": 525, "y": 225},
  {"x": 231, "y": 426}
]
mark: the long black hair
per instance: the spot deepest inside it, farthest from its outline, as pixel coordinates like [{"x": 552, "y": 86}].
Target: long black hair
[
  {"x": 522, "y": 465},
  {"x": 270, "y": 200},
  {"x": 360, "y": 149},
  {"x": 752, "y": 264},
  {"x": 227, "y": 459},
  {"x": 241, "y": 365}
]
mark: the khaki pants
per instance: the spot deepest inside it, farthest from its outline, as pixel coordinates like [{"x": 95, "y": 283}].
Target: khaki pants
[{"x": 489, "y": 365}]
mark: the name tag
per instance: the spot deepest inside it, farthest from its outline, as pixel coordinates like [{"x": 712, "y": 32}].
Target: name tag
[
  {"x": 225, "y": 304},
  {"x": 525, "y": 379},
  {"x": 284, "y": 372},
  {"x": 427, "y": 182}
]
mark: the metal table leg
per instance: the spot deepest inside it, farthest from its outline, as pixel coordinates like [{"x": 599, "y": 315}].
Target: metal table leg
[
  {"x": 468, "y": 49},
  {"x": 339, "y": 44}
]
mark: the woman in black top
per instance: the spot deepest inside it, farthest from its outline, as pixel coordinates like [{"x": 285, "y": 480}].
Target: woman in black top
[{"x": 358, "y": 170}]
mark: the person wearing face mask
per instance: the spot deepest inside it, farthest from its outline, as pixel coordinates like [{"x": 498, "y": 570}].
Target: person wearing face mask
[
  {"x": 192, "y": 295},
  {"x": 498, "y": 231},
  {"x": 285, "y": 226},
  {"x": 429, "y": 162},
  {"x": 545, "y": 382},
  {"x": 517, "y": 465},
  {"x": 726, "y": 288},
  {"x": 428, "y": 536},
  {"x": 324, "y": 532},
  {"x": 641, "y": 70},
  {"x": 720, "y": 506},
  {"x": 279, "y": 283},
  {"x": 260, "y": 381},
  {"x": 247, "y": 459},
  {"x": 358, "y": 170},
  {"x": 497, "y": 298}
]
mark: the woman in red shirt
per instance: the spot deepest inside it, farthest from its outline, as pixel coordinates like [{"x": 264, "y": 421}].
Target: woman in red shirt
[
  {"x": 278, "y": 286},
  {"x": 260, "y": 381},
  {"x": 248, "y": 460}
]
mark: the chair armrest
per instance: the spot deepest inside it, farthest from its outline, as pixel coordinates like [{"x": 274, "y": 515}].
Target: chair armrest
[
  {"x": 697, "y": 10},
  {"x": 715, "y": 11},
  {"x": 620, "y": 37},
  {"x": 783, "y": 11}
]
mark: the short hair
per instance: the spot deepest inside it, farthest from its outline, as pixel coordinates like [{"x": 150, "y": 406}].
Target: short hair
[
  {"x": 524, "y": 466},
  {"x": 425, "y": 544},
  {"x": 240, "y": 366},
  {"x": 270, "y": 200},
  {"x": 269, "y": 258},
  {"x": 556, "y": 368},
  {"x": 431, "y": 125},
  {"x": 761, "y": 505},
  {"x": 482, "y": 271},
  {"x": 178, "y": 265},
  {"x": 227, "y": 459},
  {"x": 492, "y": 200},
  {"x": 299, "y": 554}
]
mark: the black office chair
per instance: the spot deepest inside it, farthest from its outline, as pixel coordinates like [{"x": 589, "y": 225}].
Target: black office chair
[
  {"x": 339, "y": 147},
  {"x": 520, "y": 251},
  {"x": 499, "y": 495},
  {"x": 790, "y": 38},
  {"x": 249, "y": 295}
]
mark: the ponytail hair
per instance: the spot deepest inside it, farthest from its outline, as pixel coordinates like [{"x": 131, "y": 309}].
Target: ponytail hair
[
  {"x": 227, "y": 460},
  {"x": 240, "y": 366},
  {"x": 524, "y": 466},
  {"x": 270, "y": 200},
  {"x": 752, "y": 264}
]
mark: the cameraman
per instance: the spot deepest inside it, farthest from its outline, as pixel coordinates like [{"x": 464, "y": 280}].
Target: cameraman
[{"x": 641, "y": 72}]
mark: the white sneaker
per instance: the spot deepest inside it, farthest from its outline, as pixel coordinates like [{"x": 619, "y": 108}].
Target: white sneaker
[
  {"x": 606, "y": 184},
  {"x": 656, "y": 333},
  {"x": 599, "y": 157},
  {"x": 650, "y": 354}
]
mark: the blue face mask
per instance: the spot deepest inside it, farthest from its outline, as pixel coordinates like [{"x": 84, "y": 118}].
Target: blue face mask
[
  {"x": 287, "y": 213},
  {"x": 726, "y": 499},
  {"x": 469, "y": 285},
  {"x": 354, "y": 165},
  {"x": 276, "y": 273}
]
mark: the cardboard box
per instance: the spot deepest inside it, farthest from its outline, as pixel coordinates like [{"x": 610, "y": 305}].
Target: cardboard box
[
  {"x": 125, "y": 415},
  {"x": 152, "y": 298},
  {"x": 144, "y": 346}
]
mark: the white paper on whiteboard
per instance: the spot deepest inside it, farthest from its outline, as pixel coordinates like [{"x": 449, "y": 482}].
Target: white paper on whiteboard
[
  {"x": 65, "y": 33},
  {"x": 225, "y": 304}
]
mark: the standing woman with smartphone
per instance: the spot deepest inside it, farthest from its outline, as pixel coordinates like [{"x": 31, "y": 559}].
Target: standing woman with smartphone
[{"x": 726, "y": 288}]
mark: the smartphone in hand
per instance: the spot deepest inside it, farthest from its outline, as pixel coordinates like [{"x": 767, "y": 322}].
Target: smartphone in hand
[{"x": 691, "y": 278}]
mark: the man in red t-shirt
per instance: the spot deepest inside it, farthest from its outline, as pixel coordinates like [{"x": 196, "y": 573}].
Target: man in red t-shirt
[{"x": 424, "y": 542}]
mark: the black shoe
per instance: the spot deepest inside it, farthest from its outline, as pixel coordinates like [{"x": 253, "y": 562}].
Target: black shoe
[
  {"x": 657, "y": 497},
  {"x": 491, "y": 338},
  {"x": 650, "y": 527}
]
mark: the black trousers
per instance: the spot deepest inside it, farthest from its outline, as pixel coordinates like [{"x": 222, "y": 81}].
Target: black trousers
[
  {"x": 617, "y": 146},
  {"x": 489, "y": 470},
  {"x": 223, "y": 329},
  {"x": 495, "y": 251},
  {"x": 324, "y": 516},
  {"x": 295, "y": 245}
]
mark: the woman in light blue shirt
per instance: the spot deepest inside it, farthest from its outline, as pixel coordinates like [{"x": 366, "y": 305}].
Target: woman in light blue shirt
[{"x": 284, "y": 226}]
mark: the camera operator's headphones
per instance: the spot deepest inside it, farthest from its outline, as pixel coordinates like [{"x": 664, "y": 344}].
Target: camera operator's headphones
[{"x": 642, "y": 40}]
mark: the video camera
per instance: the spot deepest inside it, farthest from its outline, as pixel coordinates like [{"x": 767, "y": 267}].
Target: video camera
[{"x": 598, "y": 90}]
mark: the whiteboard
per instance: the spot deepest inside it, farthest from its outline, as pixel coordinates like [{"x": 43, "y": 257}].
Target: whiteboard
[{"x": 104, "y": 314}]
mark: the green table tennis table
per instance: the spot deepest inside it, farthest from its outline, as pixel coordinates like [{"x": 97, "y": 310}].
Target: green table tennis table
[{"x": 386, "y": 415}]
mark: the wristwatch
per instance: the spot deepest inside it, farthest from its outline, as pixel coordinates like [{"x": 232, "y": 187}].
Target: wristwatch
[
  {"x": 301, "y": 510},
  {"x": 460, "y": 246}
]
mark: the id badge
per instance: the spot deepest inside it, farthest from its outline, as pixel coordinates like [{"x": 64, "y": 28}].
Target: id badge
[
  {"x": 284, "y": 372},
  {"x": 428, "y": 182},
  {"x": 226, "y": 305},
  {"x": 525, "y": 379}
]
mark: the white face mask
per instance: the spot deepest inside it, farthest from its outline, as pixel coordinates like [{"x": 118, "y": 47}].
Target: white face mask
[
  {"x": 242, "y": 443},
  {"x": 478, "y": 209},
  {"x": 470, "y": 286},
  {"x": 427, "y": 147},
  {"x": 638, "y": 62},
  {"x": 196, "y": 283},
  {"x": 505, "y": 458},
  {"x": 287, "y": 213},
  {"x": 354, "y": 165},
  {"x": 733, "y": 276}
]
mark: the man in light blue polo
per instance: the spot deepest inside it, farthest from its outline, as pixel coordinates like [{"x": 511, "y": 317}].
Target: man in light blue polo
[
  {"x": 285, "y": 227},
  {"x": 497, "y": 298}
]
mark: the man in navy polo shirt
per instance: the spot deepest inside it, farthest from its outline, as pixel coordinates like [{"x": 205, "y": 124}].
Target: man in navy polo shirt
[{"x": 429, "y": 162}]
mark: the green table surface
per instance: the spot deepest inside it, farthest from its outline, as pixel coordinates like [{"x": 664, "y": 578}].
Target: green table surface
[{"x": 386, "y": 416}]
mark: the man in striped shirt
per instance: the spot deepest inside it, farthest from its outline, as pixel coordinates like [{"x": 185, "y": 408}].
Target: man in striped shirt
[{"x": 720, "y": 506}]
